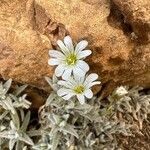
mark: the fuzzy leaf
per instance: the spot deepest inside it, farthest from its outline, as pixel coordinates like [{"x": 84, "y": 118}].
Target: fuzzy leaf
[
  {"x": 25, "y": 138},
  {"x": 25, "y": 122},
  {"x": 12, "y": 144},
  {"x": 19, "y": 90},
  {"x": 55, "y": 141},
  {"x": 70, "y": 129},
  {"x": 7, "y": 85}
]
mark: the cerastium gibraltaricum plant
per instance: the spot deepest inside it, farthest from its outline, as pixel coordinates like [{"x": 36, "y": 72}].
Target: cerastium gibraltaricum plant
[
  {"x": 73, "y": 70},
  {"x": 72, "y": 118}
]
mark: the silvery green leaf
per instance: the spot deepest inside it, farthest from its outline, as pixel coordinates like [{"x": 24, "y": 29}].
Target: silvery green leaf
[
  {"x": 7, "y": 104},
  {"x": 55, "y": 141},
  {"x": 49, "y": 100},
  {"x": 134, "y": 115},
  {"x": 55, "y": 119},
  {"x": 4, "y": 114},
  {"x": 12, "y": 125},
  {"x": 53, "y": 83},
  {"x": 66, "y": 116},
  {"x": 24, "y": 148},
  {"x": 42, "y": 146},
  {"x": 16, "y": 120},
  {"x": 19, "y": 145},
  {"x": 2, "y": 128},
  {"x": 84, "y": 107},
  {"x": 13, "y": 97},
  {"x": 62, "y": 124},
  {"x": 8, "y": 134},
  {"x": 25, "y": 122},
  {"x": 7, "y": 85},
  {"x": 49, "y": 81},
  {"x": 21, "y": 114},
  {"x": 88, "y": 141},
  {"x": 69, "y": 129},
  {"x": 12, "y": 144},
  {"x": 55, "y": 79},
  {"x": 25, "y": 138},
  {"x": 19, "y": 90},
  {"x": 22, "y": 102},
  {"x": 70, "y": 105},
  {"x": 54, "y": 131}
]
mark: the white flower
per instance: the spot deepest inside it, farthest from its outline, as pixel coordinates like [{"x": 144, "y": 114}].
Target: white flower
[
  {"x": 70, "y": 59},
  {"x": 78, "y": 86},
  {"x": 121, "y": 91}
]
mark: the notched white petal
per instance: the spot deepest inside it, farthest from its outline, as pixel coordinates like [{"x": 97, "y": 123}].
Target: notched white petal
[
  {"x": 69, "y": 44},
  {"x": 62, "y": 46},
  {"x": 81, "y": 45},
  {"x": 65, "y": 84},
  {"x": 93, "y": 83},
  {"x": 67, "y": 73},
  {"x": 63, "y": 91},
  {"x": 68, "y": 96},
  {"x": 53, "y": 62},
  {"x": 84, "y": 54},
  {"x": 59, "y": 70},
  {"x": 91, "y": 77},
  {"x": 56, "y": 54},
  {"x": 81, "y": 98},
  {"x": 83, "y": 66},
  {"x": 88, "y": 93},
  {"x": 78, "y": 71}
]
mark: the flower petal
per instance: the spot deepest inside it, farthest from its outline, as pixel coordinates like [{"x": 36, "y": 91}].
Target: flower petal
[
  {"x": 59, "y": 70},
  {"x": 53, "y": 61},
  {"x": 79, "y": 79},
  {"x": 63, "y": 92},
  {"x": 80, "y": 46},
  {"x": 92, "y": 84},
  {"x": 68, "y": 43},
  {"x": 91, "y": 77},
  {"x": 68, "y": 96},
  {"x": 65, "y": 84},
  {"x": 83, "y": 65},
  {"x": 84, "y": 54},
  {"x": 78, "y": 71},
  {"x": 81, "y": 98},
  {"x": 62, "y": 46},
  {"x": 88, "y": 93},
  {"x": 67, "y": 73},
  {"x": 72, "y": 81},
  {"x": 56, "y": 54}
]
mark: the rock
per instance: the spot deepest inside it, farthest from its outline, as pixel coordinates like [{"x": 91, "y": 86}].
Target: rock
[
  {"x": 137, "y": 14},
  {"x": 23, "y": 51},
  {"x": 30, "y": 28}
]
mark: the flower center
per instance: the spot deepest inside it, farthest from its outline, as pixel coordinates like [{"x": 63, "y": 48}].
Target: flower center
[
  {"x": 71, "y": 59},
  {"x": 79, "y": 89}
]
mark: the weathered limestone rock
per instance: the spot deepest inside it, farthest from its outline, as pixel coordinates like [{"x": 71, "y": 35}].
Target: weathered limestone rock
[
  {"x": 23, "y": 51},
  {"x": 30, "y": 28},
  {"x": 137, "y": 13}
]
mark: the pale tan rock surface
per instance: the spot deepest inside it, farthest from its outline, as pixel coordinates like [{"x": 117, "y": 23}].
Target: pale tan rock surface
[
  {"x": 137, "y": 13},
  {"x": 30, "y": 28},
  {"x": 23, "y": 51}
]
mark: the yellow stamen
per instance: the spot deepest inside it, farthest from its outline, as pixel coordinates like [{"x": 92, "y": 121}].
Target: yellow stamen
[
  {"x": 79, "y": 89},
  {"x": 71, "y": 59}
]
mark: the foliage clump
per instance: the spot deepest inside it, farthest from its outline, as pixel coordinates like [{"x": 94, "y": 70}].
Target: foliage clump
[{"x": 68, "y": 124}]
